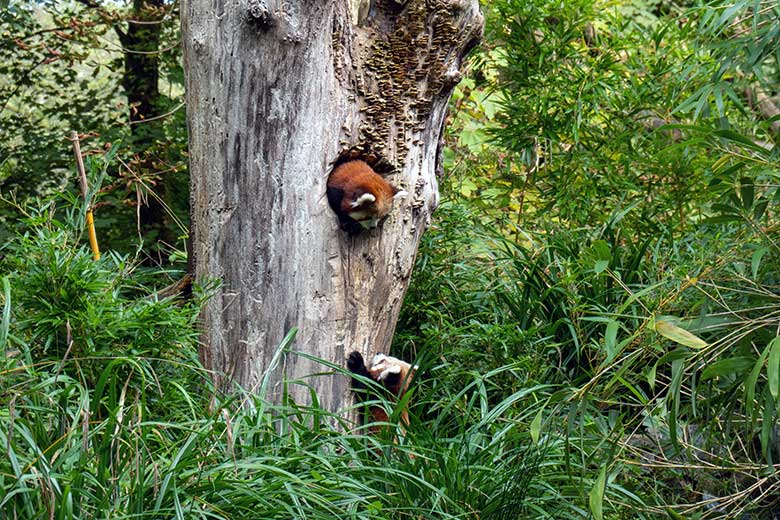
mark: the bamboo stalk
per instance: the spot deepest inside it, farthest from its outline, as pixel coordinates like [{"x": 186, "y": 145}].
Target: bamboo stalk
[{"x": 74, "y": 138}]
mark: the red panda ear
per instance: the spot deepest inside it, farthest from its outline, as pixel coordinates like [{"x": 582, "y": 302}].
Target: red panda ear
[
  {"x": 364, "y": 198},
  {"x": 398, "y": 193}
]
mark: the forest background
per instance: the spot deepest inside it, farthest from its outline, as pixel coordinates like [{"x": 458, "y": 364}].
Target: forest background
[{"x": 595, "y": 308}]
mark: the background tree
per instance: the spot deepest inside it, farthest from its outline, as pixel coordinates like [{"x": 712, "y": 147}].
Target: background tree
[
  {"x": 98, "y": 68},
  {"x": 277, "y": 92}
]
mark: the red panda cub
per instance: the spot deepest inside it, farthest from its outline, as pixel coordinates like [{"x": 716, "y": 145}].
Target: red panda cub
[
  {"x": 359, "y": 196},
  {"x": 393, "y": 374}
]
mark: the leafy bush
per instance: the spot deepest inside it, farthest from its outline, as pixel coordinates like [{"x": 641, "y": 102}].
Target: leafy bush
[
  {"x": 617, "y": 239},
  {"x": 87, "y": 314},
  {"x": 105, "y": 412}
]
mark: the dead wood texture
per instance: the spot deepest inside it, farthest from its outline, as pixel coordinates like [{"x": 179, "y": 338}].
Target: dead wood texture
[{"x": 277, "y": 91}]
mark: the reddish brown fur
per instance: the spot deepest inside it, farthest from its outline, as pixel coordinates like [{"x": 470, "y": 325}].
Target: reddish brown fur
[
  {"x": 397, "y": 388},
  {"x": 356, "y": 178},
  {"x": 396, "y": 383}
]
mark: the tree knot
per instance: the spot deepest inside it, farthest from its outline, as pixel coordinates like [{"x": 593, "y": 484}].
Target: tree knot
[{"x": 260, "y": 13}]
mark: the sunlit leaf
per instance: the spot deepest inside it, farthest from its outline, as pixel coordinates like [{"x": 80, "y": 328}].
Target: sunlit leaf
[
  {"x": 536, "y": 426},
  {"x": 755, "y": 260},
  {"x": 610, "y": 338},
  {"x": 678, "y": 334}
]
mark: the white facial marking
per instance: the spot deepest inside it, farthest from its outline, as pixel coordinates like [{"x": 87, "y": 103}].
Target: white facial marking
[
  {"x": 394, "y": 369},
  {"x": 366, "y": 197}
]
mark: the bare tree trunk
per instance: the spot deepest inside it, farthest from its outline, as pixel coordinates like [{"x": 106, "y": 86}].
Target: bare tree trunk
[
  {"x": 277, "y": 91},
  {"x": 141, "y": 43}
]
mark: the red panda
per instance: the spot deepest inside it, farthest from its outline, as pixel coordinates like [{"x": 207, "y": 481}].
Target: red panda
[
  {"x": 359, "y": 196},
  {"x": 391, "y": 373}
]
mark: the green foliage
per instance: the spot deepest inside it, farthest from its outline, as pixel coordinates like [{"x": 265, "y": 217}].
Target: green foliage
[
  {"x": 44, "y": 94},
  {"x": 65, "y": 67},
  {"x": 105, "y": 412},
  {"x": 611, "y": 231},
  {"x": 256, "y": 460},
  {"x": 88, "y": 315},
  {"x": 595, "y": 309}
]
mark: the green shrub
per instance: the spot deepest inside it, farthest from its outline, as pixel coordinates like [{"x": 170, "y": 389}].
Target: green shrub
[{"x": 105, "y": 412}]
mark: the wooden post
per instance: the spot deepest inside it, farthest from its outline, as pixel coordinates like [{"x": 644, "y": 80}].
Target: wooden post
[{"x": 74, "y": 138}]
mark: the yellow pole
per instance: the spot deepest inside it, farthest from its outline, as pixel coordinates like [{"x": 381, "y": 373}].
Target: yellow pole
[{"x": 74, "y": 138}]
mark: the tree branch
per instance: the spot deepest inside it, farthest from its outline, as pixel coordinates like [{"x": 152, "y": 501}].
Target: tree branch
[{"x": 766, "y": 106}]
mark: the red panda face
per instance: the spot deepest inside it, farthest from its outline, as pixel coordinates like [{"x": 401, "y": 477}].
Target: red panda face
[
  {"x": 392, "y": 373},
  {"x": 359, "y": 196},
  {"x": 363, "y": 209}
]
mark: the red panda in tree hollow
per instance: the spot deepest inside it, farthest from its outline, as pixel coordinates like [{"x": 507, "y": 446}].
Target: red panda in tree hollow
[
  {"x": 359, "y": 196},
  {"x": 391, "y": 373}
]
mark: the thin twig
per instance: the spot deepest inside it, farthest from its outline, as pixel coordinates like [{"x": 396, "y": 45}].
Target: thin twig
[{"x": 171, "y": 112}]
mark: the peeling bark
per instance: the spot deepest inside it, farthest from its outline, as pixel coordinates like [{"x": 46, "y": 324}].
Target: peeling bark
[{"x": 277, "y": 92}]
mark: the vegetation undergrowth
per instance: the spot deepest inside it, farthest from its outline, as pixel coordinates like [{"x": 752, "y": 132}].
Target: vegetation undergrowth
[
  {"x": 595, "y": 309},
  {"x": 105, "y": 412},
  {"x": 610, "y": 230}
]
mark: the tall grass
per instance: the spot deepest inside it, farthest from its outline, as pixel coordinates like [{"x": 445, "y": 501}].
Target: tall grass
[
  {"x": 650, "y": 361},
  {"x": 106, "y": 413}
]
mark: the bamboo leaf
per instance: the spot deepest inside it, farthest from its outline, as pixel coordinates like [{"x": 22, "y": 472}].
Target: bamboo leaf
[
  {"x": 5, "y": 324},
  {"x": 747, "y": 192},
  {"x": 750, "y": 383},
  {"x": 674, "y": 514},
  {"x": 734, "y": 137},
  {"x": 755, "y": 260},
  {"x": 596, "y": 496},
  {"x": 651, "y": 373},
  {"x": 610, "y": 339},
  {"x": 767, "y": 425},
  {"x": 760, "y": 208},
  {"x": 674, "y": 401},
  {"x": 679, "y": 335},
  {"x": 728, "y": 366},
  {"x": 536, "y": 426},
  {"x": 674, "y": 355},
  {"x": 773, "y": 368}
]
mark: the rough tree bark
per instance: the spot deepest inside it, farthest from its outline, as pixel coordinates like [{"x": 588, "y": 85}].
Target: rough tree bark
[{"x": 277, "y": 91}]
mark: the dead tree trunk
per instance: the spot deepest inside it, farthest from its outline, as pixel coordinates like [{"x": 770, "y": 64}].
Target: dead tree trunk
[{"x": 277, "y": 91}]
